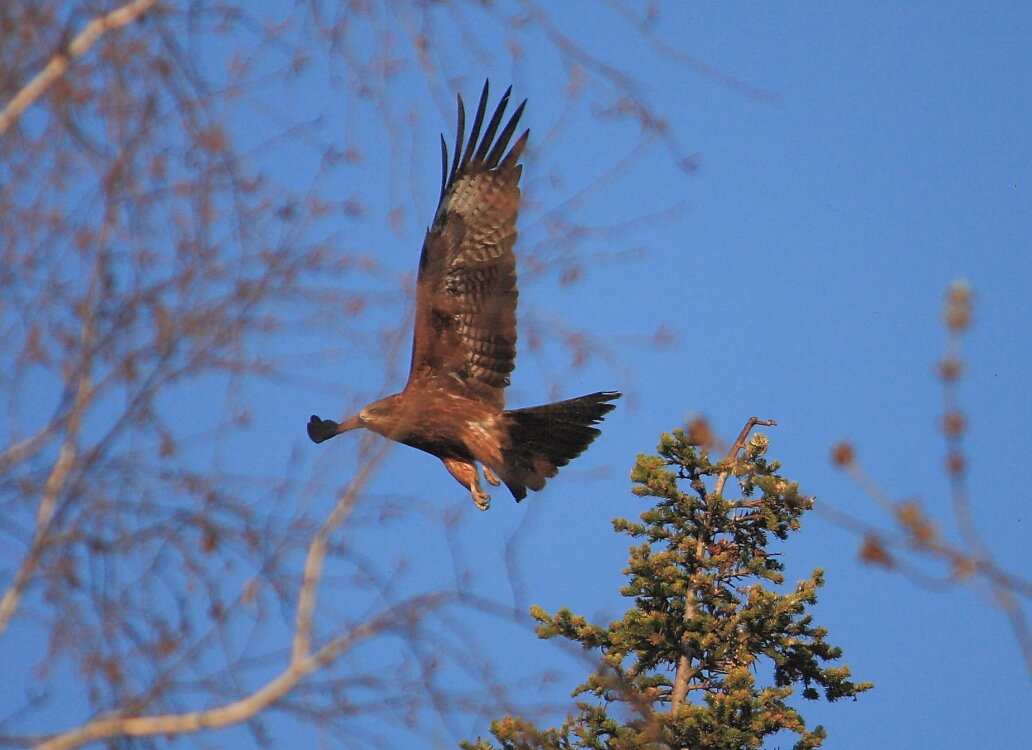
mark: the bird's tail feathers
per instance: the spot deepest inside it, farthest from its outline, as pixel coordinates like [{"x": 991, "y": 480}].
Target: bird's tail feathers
[{"x": 544, "y": 438}]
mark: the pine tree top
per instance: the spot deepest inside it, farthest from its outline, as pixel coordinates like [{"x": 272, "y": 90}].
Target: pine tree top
[{"x": 711, "y": 650}]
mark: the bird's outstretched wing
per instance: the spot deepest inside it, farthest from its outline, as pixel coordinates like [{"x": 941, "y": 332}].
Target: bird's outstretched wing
[{"x": 465, "y": 328}]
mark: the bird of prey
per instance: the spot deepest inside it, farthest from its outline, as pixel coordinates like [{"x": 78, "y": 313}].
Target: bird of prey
[{"x": 464, "y": 344}]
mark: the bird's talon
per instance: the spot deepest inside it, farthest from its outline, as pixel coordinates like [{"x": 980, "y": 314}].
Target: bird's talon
[
  {"x": 491, "y": 477},
  {"x": 482, "y": 499}
]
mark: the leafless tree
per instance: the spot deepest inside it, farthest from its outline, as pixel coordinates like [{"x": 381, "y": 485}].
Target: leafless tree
[{"x": 158, "y": 277}]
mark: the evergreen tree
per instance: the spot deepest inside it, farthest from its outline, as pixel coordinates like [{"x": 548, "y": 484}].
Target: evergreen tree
[{"x": 710, "y": 653}]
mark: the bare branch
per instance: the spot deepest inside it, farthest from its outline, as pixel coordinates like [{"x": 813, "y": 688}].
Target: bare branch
[
  {"x": 247, "y": 707},
  {"x": 302, "y": 661},
  {"x": 59, "y": 63},
  {"x": 317, "y": 553},
  {"x": 55, "y": 482},
  {"x": 915, "y": 531},
  {"x": 737, "y": 446}
]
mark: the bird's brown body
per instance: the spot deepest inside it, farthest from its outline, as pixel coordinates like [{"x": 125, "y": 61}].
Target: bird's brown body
[
  {"x": 464, "y": 345},
  {"x": 413, "y": 418}
]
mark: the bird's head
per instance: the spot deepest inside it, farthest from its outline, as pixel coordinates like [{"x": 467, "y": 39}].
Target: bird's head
[{"x": 377, "y": 414}]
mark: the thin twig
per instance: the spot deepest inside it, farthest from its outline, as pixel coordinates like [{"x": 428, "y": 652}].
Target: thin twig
[
  {"x": 27, "y": 448},
  {"x": 681, "y": 57}
]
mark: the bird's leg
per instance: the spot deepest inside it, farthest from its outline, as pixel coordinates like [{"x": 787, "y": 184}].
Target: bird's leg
[
  {"x": 466, "y": 474},
  {"x": 491, "y": 477}
]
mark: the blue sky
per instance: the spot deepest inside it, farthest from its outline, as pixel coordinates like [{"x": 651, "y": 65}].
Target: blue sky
[{"x": 801, "y": 278}]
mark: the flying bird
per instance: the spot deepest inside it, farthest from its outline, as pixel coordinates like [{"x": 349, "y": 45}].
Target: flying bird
[{"x": 464, "y": 344}]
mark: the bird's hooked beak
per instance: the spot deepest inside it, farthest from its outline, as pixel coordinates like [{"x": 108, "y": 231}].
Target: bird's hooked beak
[{"x": 320, "y": 430}]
